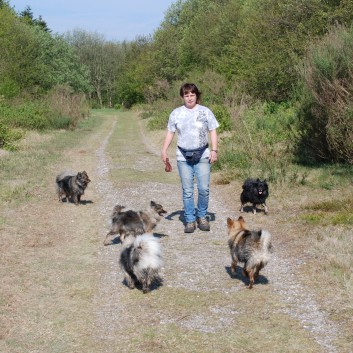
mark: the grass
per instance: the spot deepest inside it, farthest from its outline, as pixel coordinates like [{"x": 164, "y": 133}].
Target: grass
[
  {"x": 188, "y": 321},
  {"x": 19, "y": 170},
  {"x": 46, "y": 293},
  {"x": 129, "y": 156},
  {"x": 330, "y": 212}
]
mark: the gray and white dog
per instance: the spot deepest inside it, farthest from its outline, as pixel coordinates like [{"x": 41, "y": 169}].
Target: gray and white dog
[
  {"x": 71, "y": 185},
  {"x": 141, "y": 261}
]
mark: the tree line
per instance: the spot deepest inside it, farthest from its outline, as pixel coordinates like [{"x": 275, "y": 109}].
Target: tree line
[{"x": 241, "y": 52}]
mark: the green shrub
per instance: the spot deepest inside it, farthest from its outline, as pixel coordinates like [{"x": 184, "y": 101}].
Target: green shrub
[
  {"x": 223, "y": 117},
  {"x": 28, "y": 115},
  {"x": 60, "y": 122},
  {"x": 8, "y": 137},
  {"x": 9, "y": 88},
  {"x": 159, "y": 121},
  {"x": 325, "y": 102},
  {"x": 262, "y": 144}
]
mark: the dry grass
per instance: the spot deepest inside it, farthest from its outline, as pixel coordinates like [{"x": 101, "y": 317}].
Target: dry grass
[
  {"x": 186, "y": 321},
  {"x": 48, "y": 258}
]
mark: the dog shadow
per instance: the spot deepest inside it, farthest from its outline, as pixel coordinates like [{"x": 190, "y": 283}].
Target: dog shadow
[
  {"x": 180, "y": 213},
  {"x": 154, "y": 286},
  {"x": 70, "y": 200},
  {"x": 239, "y": 275},
  {"x": 249, "y": 209},
  {"x": 86, "y": 202},
  {"x": 159, "y": 235},
  {"x": 116, "y": 240}
]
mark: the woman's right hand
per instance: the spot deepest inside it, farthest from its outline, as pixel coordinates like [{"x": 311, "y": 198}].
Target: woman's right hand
[{"x": 164, "y": 157}]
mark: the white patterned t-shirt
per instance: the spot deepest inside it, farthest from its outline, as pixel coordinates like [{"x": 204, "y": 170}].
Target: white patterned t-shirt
[{"x": 192, "y": 126}]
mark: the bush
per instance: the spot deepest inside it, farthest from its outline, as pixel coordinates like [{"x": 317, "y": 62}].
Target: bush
[
  {"x": 9, "y": 136},
  {"x": 9, "y": 88},
  {"x": 28, "y": 115},
  {"x": 262, "y": 144},
  {"x": 159, "y": 121},
  {"x": 65, "y": 107},
  {"x": 326, "y": 102},
  {"x": 223, "y": 117}
]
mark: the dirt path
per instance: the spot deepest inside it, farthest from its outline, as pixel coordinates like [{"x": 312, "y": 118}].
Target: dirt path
[
  {"x": 78, "y": 301},
  {"x": 195, "y": 264}
]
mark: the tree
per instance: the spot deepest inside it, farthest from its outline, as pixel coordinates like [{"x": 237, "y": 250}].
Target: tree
[
  {"x": 27, "y": 16},
  {"x": 104, "y": 60},
  {"x": 137, "y": 72},
  {"x": 271, "y": 38}
]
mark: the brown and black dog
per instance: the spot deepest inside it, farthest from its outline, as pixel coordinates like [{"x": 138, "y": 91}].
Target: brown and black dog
[
  {"x": 125, "y": 223},
  {"x": 253, "y": 248}
]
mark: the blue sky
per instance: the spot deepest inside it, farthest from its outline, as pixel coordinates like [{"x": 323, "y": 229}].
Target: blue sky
[{"x": 117, "y": 20}]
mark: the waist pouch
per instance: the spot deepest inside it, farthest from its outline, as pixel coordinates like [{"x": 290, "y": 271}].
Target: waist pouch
[{"x": 193, "y": 156}]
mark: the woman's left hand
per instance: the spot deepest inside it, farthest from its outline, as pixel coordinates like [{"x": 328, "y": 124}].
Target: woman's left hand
[{"x": 213, "y": 156}]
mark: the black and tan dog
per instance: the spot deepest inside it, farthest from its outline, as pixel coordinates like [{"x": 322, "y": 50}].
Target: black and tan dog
[
  {"x": 72, "y": 185},
  {"x": 253, "y": 248},
  {"x": 125, "y": 223}
]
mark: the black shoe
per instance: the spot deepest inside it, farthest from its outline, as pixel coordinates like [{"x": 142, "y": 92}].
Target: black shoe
[
  {"x": 203, "y": 224},
  {"x": 190, "y": 227}
]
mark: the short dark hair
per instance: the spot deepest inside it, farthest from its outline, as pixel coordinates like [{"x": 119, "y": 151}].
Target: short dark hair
[{"x": 190, "y": 87}]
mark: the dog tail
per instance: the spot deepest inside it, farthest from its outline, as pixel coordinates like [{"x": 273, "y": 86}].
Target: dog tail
[
  {"x": 265, "y": 241},
  {"x": 148, "y": 252},
  {"x": 60, "y": 177},
  {"x": 64, "y": 174},
  {"x": 117, "y": 210}
]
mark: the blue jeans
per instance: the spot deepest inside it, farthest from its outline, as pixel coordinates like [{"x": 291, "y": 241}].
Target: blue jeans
[{"x": 188, "y": 172}]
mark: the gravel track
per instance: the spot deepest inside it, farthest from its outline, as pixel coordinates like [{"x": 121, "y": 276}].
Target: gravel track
[{"x": 185, "y": 270}]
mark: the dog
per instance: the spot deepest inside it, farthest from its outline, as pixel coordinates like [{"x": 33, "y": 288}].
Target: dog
[
  {"x": 255, "y": 192},
  {"x": 253, "y": 248},
  {"x": 141, "y": 260},
  {"x": 126, "y": 223},
  {"x": 72, "y": 185}
]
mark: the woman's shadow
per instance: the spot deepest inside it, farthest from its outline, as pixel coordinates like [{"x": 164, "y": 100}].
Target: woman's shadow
[{"x": 180, "y": 214}]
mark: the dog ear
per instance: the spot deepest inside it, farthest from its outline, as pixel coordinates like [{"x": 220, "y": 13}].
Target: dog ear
[
  {"x": 230, "y": 222},
  {"x": 241, "y": 220},
  {"x": 118, "y": 208},
  {"x": 152, "y": 204}
]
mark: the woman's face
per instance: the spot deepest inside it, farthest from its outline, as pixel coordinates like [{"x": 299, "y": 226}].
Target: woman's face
[{"x": 189, "y": 100}]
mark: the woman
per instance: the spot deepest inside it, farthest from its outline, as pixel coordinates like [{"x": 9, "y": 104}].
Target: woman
[{"x": 194, "y": 123}]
